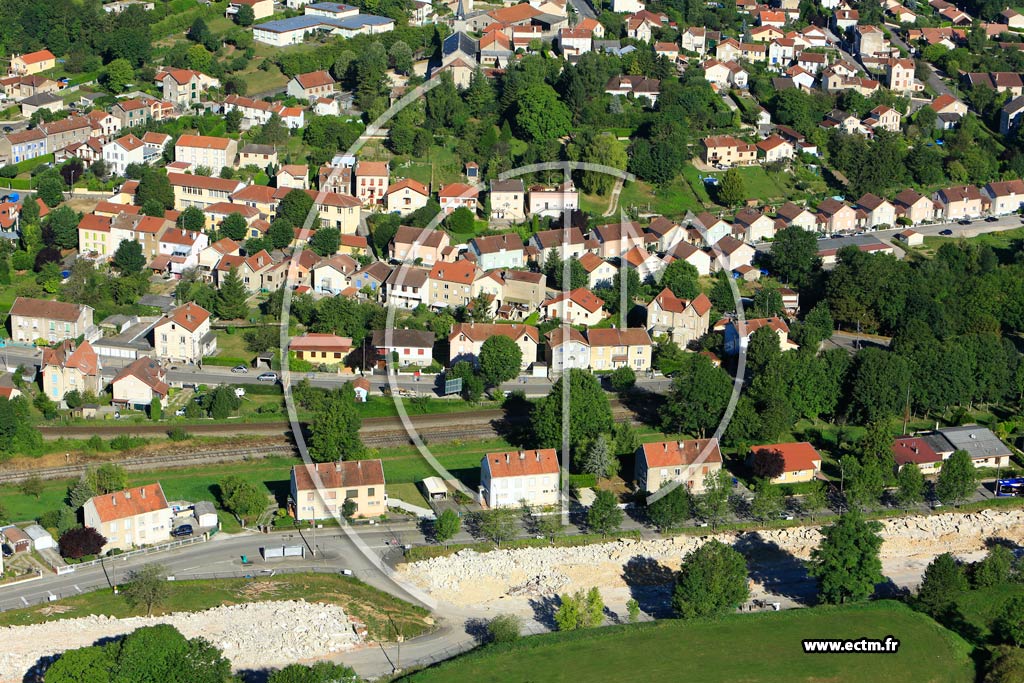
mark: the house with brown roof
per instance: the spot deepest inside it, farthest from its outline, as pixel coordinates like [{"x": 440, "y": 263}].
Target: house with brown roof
[
  {"x": 466, "y": 340},
  {"x": 332, "y": 275},
  {"x": 131, "y": 518},
  {"x": 695, "y": 256},
  {"x": 320, "y": 490},
  {"x": 70, "y": 368},
  {"x": 310, "y": 86},
  {"x": 962, "y": 201},
  {"x": 514, "y": 478},
  {"x": 683, "y": 320},
  {"x": 201, "y": 191},
  {"x": 294, "y": 176},
  {"x": 751, "y": 225},
  {"x": 495, "y": 252},
  {"x": 1005, "y": 196},
  {"x": 508, "y": 200},
  {"x": 418, "y": 245},
  {"x": 136, "y": 385},
  {"x": 916, "y": 207},
  {"x": 878, "y": 211},
  {"x": 688, "y": 462},
  {"x": 372, "y": 179},
  {"x": 450, "y": 285},
  {"x": 206, "y": 151},
  {"x": 648, "y": 265},
  {"x": 564, "y": 243},
  {"x": 801, "y": 462},
  {"x": 405, "y": 287},
  {"x": 737, "y": 334},
  {"x": 577, "y": 307},
  {"x": 775, "y": 148},
  {"x": 729, "y": 253},
  {"x": 726, "y": 150},
  {"x": 566, "y": 350},
  {"x": 405, "y": 196},
  {"x": 637, "y": 86},
  {"x": 613, "y": 348},
  {"x": 51, "y": 321},
  {"x": 94, "y": 236},
  {"x": 918, "y": 452},
  {"x": 615, "y": 239},
  {"x": 456, "y": 195},
  {"x": 184, "y": 335},
  {"x": 320, "y": 349},
  {"x": 184, "y": 87},
  {"x": 403, "y": 347},
  {"x": 249, "y": 268},
  {"x": 836, "y": 216}
]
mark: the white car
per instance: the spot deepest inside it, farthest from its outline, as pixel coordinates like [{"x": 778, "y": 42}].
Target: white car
[{"x": 239, "y": 392}]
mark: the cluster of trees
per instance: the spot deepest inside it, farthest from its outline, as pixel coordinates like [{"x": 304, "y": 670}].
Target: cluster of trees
[{"x": 334, "y": 430}]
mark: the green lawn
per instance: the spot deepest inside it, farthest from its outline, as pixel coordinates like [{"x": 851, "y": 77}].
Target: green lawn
[
  {"x": 1009, "y": 239},
  {"x": 373, "y": 606},
  {"x": 752, "y": 648},
  {"x": 761, "y": 185},
  {"x": 980, "y": 608},
  {"x": 675, "y": 199}
]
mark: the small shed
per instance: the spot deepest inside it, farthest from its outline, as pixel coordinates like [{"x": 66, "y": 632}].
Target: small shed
[
  {"x": 17, "y": 539},
  {"x": 910, "y": 237},
  {"x": 41, "y": 538},
  {"x": 435, "y": 488},
  {"x": 265, "y": 360},
  {"x": 205, "y": 513},
  {"x": 361, "y": 386}
]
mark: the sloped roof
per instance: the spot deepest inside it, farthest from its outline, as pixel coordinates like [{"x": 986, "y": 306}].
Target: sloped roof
[
  {"x": 521, "y": 463},
  {"x": 681, "y": 453},
  {"x": 130, "y": 502},
  {"x": 337, "y": 475}
]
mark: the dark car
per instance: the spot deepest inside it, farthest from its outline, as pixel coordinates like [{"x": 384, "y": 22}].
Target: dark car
[
  {"x": 947, "y": 231},
  {"x": 183, "y": 530},
  {"x": 991, "y": 219},
  {"x": 965, "y": 221},
  {"x": 8, "y": 129}
]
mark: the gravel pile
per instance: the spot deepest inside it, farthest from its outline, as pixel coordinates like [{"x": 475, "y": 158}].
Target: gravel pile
[
  {"x": 252, "y": 635},
  {"x": 469, "y": 577}
]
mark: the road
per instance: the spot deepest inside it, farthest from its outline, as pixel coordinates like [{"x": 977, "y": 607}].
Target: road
[
  {"x": 584, "y": 9},
  {"x": 935, "y": 80}
]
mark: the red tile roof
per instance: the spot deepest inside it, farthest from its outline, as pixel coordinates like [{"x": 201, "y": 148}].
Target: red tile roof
[
  {"x": 314, "y": 79},
  {"x": 190, "y": 316},
  {"x": 796, "y": 457},
  {"x": 43, "y": 308},
  {"x": 522, "y": 463},
  {"x": 483, "y": 331},
  {"x": 315, "y": 341},
  {"x": 130, "y": 502},
  {"x": 337, "y": 475},
  {"x": 913, "y": 449},
  {"x": 675, "y": 453}
]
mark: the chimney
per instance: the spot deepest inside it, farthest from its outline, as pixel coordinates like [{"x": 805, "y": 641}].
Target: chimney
[
  {"x": 113, "y": 501},
  {"x": 142, "y": 492},
  {"x": 506, "y": 458},
  {"x": 537, "y": 455},
  {"x": 522, "y": 455},
  {"x": 128, "y": 495}
]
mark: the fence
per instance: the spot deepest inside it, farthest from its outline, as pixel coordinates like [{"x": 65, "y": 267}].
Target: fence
[{"x": 141, "y": 551}]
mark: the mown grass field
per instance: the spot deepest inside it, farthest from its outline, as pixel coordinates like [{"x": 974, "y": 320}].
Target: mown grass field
[
  {"x": 369, "y": 604},
  {"x": 753, "y": 648},
  {"x": 980, "y": 609}
]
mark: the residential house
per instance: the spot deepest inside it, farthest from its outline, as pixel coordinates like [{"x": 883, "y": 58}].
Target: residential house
[
  {"x": 403, "y": 347},
  {"x": 332, "y": 275},
  {"x": 899, "y": 76},
  {"x": 418, "y": 245},
  {"x": 406, "y": 287},
  {"x": 615, "y": 239},
  {"x": 1006, "y": 196},
  {"x": 372, "y": 179},
  {"x": 205, "y": 151},
  {"x": 466, "y": 340},
  {"x": 119, "y": 153},
  {"x": 563, "y": 243},
  {"x": 836, "y": 216},
  {"x": 22, "y": 146},
  {"x": 725, "y": 150},
  {"x": 688, "y": 462},
  {"x": 756, "y": 226},
  {"x": 647, "y": 265},
  {"x": 94, "y": 236},
  {"x": 801, "y": 461},
  {"x": 336, "y": 210},
  {"x": 498, "y": 251},
  {"x": 572, "y": 42},
  {"x": 637, "y": 86},
  {"x": 66, "y": 131},
  {"x": 320, "y": 349},
  {"x": 450, "y": 285},
  {"x": 260, "y": 156},
  {"x": 249, "y": 268},
  {"x": 51, "y": 321},
  {"x": 508, "y": 200},
  {"x": 131, "y": 518},
  {"x": 261, "y": 8},
  {"x": 884, "y": 118},
  {"x": 599, "y": 272},
  {"x": 879, "y": 212},
  {"x": 684, "y": 321},
  {"x": 949, "y": 110},
  {"x": 1010, "y": 115},
  {"x": 294, "y": 176},
  {"x": 184, "y": 335},
  {"x": 668, "y": 233},
  {"x": 320, "y": 490},
  {"x": 137, "y": 385},
  {"x": 916, "y": 451},
  {"x": 962, "y": 201},
  {"x": 371, "y": 278},
  {"x": 201, "y": 191},
  {"x": 134, "y": 227},
  {"x": 566, "y": 350},
  {"x": 311, "y": 86},
  {"x": 707, "y": 229},
  {"x": 496, "y": 48},
  {"x": 775, "y": 148},
  {"x": 982, "y": 445},
  {"x": 405, "y": 196},
  {"x": 32, "y": 63},
  {"x": 511, "y": 479},
  {"x": 184, "y": 87},
  {"x": 553, "y": 201},
  {"x": 613, "y": 348},
  {"x": 916, "y": 207},
  {"x": 69, "y": 368},
  {"x": 730, "y": 253},
  {"x": 456, "y": 195},
  {"x": 577, "y": 307},
  {"x": 737, "y": 334},
  {"x": 182, "y": 249},
  {"x": 695, "y": 256}
]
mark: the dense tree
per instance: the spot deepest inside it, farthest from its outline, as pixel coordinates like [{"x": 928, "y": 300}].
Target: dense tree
[
  {"x": 698, "y": 398},
  {"x": 500, "y": 360},
  {"x": 943, "y": 579},
  {"x": 504, "y": 628},
  {"x": 446, "y": 526},
  {"x": 245, "y": 16},
  {"x": 498, "y": 525},
  {"x": 589, "y": 412},
  {"x": 846, "y": 562},
  {"x": 763, "y": 349},
  {"x": 326, "y": 241},
  {"x": 598, "y": 148},
  {"x": 671, "y": 509},
  {"x": 192, "y": 219},
  {"x": 221, "y": 402},
  {"x": 768, "y": 503},
  {"x": 320, "y": 672},
  {"x": 622, "y": 379},
  {"x": 129, "y": 258},
  {"x": 118, "y": 75},
  {"x": 712, "y": 581},
  {"x": 334, "y": 431},
  {"x": 910, "y": 485},
  {"x": 957, "y": 478},
  {"x": 599, "y": 459},
  {"x": 63, "y": 226},
  {"x": 234, "y": 226},
  {"x": 996, "y": 569},
  {"x": 146, "y": 587},
  {"x": 107, "y": 478},
  {"x": 1007, "y": 666},
  {"x": 794, "y": 256},
  {"x": 712, "y": 504},
  {"x": 863, "y": 481},
  {"x": 294, "y": 207},
  {"x": 154, "y": 185},
  {"x": 50, "y": 188},
  {"x": 232, "y": 297},
  {"x": 81, "y": 541},
  {"x": 604, "y": 516},
  {"x": 80, "y": 492},
  {"x": 682, "y": 278},
  {"x": 242, "y": 498},
  {"x": 580, "y": 610},
  {"x": 731, "y": 188},
  {"x": 280, "y": 233},
  {"x": 540, "y": 114},
  {"x": 1010, "y": 624},
  {"x": 768, "y": 463}
]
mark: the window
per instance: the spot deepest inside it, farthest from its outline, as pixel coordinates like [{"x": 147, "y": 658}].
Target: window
[
  {"x": 352, "y": 493},
  {"x": 371, "y": 492}
]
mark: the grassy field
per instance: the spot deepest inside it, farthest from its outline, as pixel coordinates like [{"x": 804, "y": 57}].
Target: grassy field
[
  {"x": 674, "y": 199},
  {"x": 980, "y": 608},
  {"x": 357, "y": 598},
  {"x": 1009, "y": 239},
  {"x": 753, "y": 648}
]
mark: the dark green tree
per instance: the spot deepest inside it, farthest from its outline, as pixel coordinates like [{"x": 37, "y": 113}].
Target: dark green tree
[
  {"x": 146, "y": 587},
  {"x": 326, "y": 241},
  {"x": 698, "y": 398},
  {"x": 604, "y": 516},
  {"x": 910, "y": 485},
  {"x": 446, "y": 526},
  {"x": 155, "y": 186},
  {"x": 320, "y": 672},
  {"x": 589, "y": 412},
  {"x": 232, "y": 297},
  {"x": 682, "y": 278},
  {"x": 671, "y": 510},
  {"x": 234, "y": 226},
  {"x": 957, "y": 479},
  {"x": 846, "y": 563},
  {"x": 129, "y": 258},
  {"x": 731, "y": 188},
  {"x": 712, "y": 581},
  {"x": 500, "y": 360},
  {"x": 334, "y": 431}
]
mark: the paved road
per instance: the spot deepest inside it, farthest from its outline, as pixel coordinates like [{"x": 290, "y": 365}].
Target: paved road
[{"x": 584, "y": 9}]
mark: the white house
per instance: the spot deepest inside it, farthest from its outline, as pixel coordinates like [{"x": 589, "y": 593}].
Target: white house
[{"x": 512, "y": 478}]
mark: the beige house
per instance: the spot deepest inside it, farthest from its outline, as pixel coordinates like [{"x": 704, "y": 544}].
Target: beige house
[
  {"x": 727, "y": 150},
  {"x": 249, "y": 268},
  {"x": 683, "y": 321},
  {"x": 415, "y": 244},
  {"x": 130, "y": 518},
  {"x": 94, "y": 236},
  {"x": 836, "y": 216},
  {"x": 516, "y": 477},
  {"x": 319, "y": 491},
  {"x": 184, "y": 87},
  {"x": 508, "y": 200},
  {"x": 599, "y": 271},
  {"x": 613, "y": 348},
  {"x": 577, "y": 307},
  {"x": 294, "y": 176},
  {"x": 963, "y": 201},
  {"x": 201, "y": 191},
  {"x": 405, "y": 196},
  {"x": 311, "y": 86},
  {"x": 318, "y": 348},
  {"x": 756, "y": 226},
  {"x": 336, "y": 210},
  {"x": 878, "y": 211},
  {"x": 791, "y": 214},
  {"x": 916, "y": 207},
  {"x": 261, "y": 9},
  {"x": 801, "y": 462},
  {"x": 203, "y": 150},
  {"x": 67, "y": 368},
  {"x": 372, "y": 179},
  {"x": 775, "y": 148},
  {"x": 32, "y": 63},
  {"x": 184, "y": 335},
  {"x": 450, "y": 285},
  {"x": 466, "y": 340},
  {"x": 553, "y": 201},
  {"x": 138, "y": 384},
  {"x": 687, "y": 462},
  {"x": 1006, "y": 196},
  {"x": 52, "y": 321}
]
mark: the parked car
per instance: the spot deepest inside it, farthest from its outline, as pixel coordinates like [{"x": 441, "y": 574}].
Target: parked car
[
  {"x": 183, "y": 530},
  {"x": 991, "y": 219},
  {"x": 240, "y": 370},
  {"x": 964, "y": 221},
  {"x": 946, "y": 232},
  {"x": 8, "y": 129},
  {"x": 267, "y": 377}
]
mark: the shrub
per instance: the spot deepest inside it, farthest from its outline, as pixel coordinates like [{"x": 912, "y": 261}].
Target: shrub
[
  {"x": 178, "y": 434},
  {"x": 505, "y": 628},
  {"x": 77, "y": 543}
]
